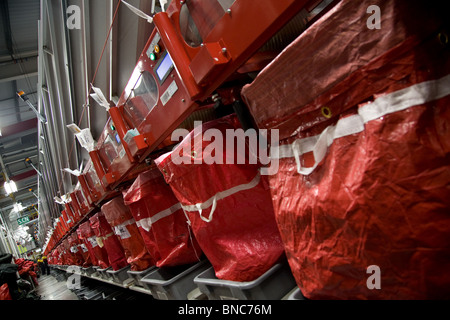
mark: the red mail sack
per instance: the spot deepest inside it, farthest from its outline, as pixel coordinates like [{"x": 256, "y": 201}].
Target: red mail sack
[
  {"x": 99, "y": 255},
  {"x": 122, "y": 222},
  {"x": 161, "y": 220},
  {"x": 362, "y": 196},
  {"x": 107, "y": 239},
  {"x": 228, "y": 205}
]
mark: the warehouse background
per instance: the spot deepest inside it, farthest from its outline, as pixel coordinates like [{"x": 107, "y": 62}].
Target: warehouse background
[
  {"x": 55, "y": 67},
  {"x": 361, "y": 119}
]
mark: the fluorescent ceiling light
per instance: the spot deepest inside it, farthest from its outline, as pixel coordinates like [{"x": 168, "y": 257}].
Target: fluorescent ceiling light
[{"x": 10, "y": 187}]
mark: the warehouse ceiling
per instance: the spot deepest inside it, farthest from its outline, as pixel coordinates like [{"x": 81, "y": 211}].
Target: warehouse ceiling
[{"x": 55, "y": 63}]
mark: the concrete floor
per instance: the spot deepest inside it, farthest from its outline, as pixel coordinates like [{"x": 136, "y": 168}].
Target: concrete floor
[{"x": 51, "y": 289}]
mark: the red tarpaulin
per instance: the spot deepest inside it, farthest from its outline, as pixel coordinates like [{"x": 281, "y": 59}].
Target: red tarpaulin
[
  {"x": 4, "y": 292},
  {"x": 99, "y": 255},
  {"x": 78, "y": 252},
  {"x": 161, "y": 220},
  {"x": 69, "y": 258},
  {"x": 228, "y": 205},
  {"x": 121, "y": 220},
  {"x": 364, "y": 162},
  {"x": 107, "y": 238}
]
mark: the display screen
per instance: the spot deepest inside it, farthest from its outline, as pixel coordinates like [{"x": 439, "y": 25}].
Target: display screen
[
  {"x": 117, "y": 138},
  {"x": 164, "y": 67}
]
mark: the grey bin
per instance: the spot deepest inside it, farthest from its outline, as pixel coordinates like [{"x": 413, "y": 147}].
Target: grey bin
[
  {"x": 88, "y": 271},
  {"x": 174, "y": 283},
  {"x": 95, "y": 271},
  {"x": 274, "y": 284},
  {"x": 102, "y": 273},
  {"x": 138, "y": 275},
  {"x": 119, "y": 276},
  {"x": 296, "y": 295}
]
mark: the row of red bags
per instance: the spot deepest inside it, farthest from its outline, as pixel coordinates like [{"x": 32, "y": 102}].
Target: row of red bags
[
  {"x": 175, "y": 213},
  {"x": 122, "y": 234}
]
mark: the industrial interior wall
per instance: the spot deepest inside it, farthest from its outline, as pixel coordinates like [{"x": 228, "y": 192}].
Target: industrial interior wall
[
  {"x": 365, "y": 146},
  {"x": 229, "y": 209},
  {"x": 161, "y": 220}
]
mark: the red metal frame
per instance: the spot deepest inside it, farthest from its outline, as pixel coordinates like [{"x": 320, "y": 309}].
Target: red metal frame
[
  {"x": 79, "y": 200},
  {"x": 92, "y": 187},
  {"x": 111, "y": 161},
  {"x": 198, "y": 71}
]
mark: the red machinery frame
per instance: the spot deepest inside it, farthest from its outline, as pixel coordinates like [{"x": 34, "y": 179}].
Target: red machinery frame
[
  {"x": 111, "y": 161},
  {"x": 91, "y": 185},
  {"x": 197, "y": 71},
  {"x": 79, "y": 201}
]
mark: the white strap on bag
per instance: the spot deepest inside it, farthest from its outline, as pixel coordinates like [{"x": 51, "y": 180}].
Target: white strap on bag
[
  {"x": 393, "y": 102},
  {"x": 219, "y": 196},
  {"x": 146, "y": 223}
]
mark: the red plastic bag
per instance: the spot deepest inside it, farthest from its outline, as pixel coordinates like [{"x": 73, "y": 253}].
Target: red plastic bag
[
  {"x": 121, "y": 220},
  {"x": 161, "y": 220},
  {"x": 107, "y": 238},
  {"x": 4, "y": 292},
  {"x": 99, "y": 255},
  {"x": 69, "y": 257},
  {"x": 361, "y": 196},
  {"x": 228, "y": 205},
  {"x": 82, "y": 249},
  {"x": 76, "y": 249}
]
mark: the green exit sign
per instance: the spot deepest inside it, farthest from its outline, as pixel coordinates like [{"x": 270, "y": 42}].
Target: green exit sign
[{"x": 23, "y": 220}]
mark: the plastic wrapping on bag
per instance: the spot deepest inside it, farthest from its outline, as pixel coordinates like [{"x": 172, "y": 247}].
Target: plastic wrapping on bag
[
  {"x": 107, "y": 239},
  {"x": 228, "y": 205},
  {"x": 69, "y": 257},
  {"x": 122, "y": 222},
  {"x": 161, "y": 220},
  {"x": 361, "y": 196},
  {"x": 4, "y": 292},
  {"x": 99, "y": 255},
  {"x": 26, "y": 268}
]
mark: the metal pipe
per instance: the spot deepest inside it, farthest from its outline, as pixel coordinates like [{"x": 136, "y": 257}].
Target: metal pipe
[
  {"x": 85, "y": 39},
  {"x": 69, "y": 75},
  {"x": 62, "y": 138}
]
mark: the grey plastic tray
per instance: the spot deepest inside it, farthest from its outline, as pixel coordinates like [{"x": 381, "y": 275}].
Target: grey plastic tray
[
  {"x": 87, "y": 271},
  {"x": 138, "y": 275},
  {"x": 174, "y": 283},
  {"x": 274, "y": 284},
  {"x": 296, "y": 295},
  {"x": 119, "y": 276},
  {"x": 102, "y": 273}
]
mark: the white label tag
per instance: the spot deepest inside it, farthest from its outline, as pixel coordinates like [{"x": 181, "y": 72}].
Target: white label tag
[
  {"x": 169, "y": 93},
  {"x": 122, "y": 232},
  {"x": 93, "y": 241},
  {"x": 83, "y": 247}
]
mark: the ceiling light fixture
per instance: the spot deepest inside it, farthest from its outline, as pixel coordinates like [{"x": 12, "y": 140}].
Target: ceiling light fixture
[{"x": 10, "y": 187}]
